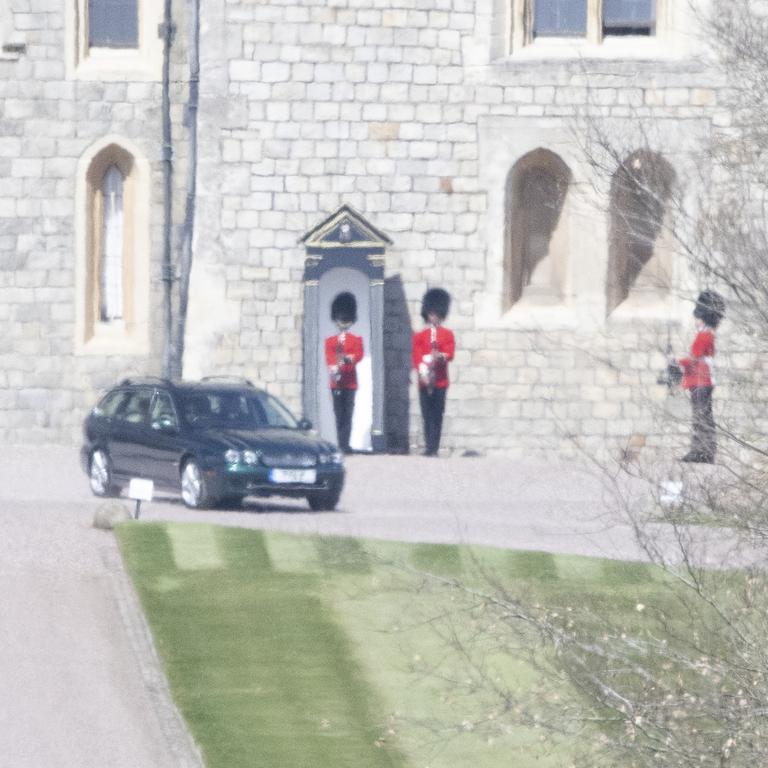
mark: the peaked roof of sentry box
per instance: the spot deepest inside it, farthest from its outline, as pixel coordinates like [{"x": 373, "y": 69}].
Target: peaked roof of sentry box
[{"x": 345, "y": 228}]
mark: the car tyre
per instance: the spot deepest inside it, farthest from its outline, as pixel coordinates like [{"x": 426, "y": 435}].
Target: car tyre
[
  {"x": 326, "y": 500},
  {"x": 100, "y": 475},
  {"x": 194, "y": 488}
]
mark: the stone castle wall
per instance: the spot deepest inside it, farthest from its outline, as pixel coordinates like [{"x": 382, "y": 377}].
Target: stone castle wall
[{"x": 407, "y": 112}]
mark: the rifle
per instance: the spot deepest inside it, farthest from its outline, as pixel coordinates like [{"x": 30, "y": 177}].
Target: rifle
[{"x": 336, "y": 369}]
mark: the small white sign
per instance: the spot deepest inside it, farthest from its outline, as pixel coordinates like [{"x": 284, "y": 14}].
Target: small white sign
[{"x": 140, "y": 489}]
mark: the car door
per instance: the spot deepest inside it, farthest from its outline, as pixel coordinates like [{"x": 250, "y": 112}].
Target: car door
[
  {"x": 129, "y": 434},
  {"x": 99, "y": 422},
  {"x": 163, "y": 442}
]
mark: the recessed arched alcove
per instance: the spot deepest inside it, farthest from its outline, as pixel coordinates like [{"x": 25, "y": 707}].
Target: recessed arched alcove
[
  {"x": 639, "y": 254},
  {"x": 536, "y": 236}
]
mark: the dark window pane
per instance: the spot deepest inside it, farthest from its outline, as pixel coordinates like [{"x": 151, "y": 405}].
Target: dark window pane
[
  {"x": 560, "y": 17},
  {"x": 113, "y": 23},
  {"x": 629, "y": 17}
]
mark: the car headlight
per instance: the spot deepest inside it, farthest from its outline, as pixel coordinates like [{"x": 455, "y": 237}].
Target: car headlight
[
  {"x": 331, "y": 458},
  {"x": 232, "y": 456},
  {"x": 251, "y": 457}
]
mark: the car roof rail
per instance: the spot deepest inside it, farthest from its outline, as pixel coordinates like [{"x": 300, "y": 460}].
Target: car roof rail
[
  {"x": 146, "y": 380},
  {"x": 227, "y": 377}
]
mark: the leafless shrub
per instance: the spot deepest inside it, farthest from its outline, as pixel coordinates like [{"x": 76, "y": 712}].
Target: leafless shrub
[{"x": 684, "y": 681}]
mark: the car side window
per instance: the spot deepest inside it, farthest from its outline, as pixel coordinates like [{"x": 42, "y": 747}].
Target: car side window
[
  {"x": 136, "y": 407},
  {"x": 163, "y": 411},
  {"x": 111, "y": 403},
  {"x": 197, "y": 408}
]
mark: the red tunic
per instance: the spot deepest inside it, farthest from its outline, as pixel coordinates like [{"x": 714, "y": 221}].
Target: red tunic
[
  {"x": 697, "y": 369},
  {"x": 422, "y": 345},
  {"x": 352, "y": 347}
]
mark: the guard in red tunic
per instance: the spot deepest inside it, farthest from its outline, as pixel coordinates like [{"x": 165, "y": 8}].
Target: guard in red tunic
[
  {"x": 342, "y": 353},
  {"x": 699, "y": 376},
  {"x": 432, "y": 350}
]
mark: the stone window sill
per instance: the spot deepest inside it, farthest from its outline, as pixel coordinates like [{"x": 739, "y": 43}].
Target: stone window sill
[
  {"x": 616, "y": 48},
  {"x": 113, "y": 341},
  {"x": 118, "y": 65},
  {"x": 643, "y": 308}
]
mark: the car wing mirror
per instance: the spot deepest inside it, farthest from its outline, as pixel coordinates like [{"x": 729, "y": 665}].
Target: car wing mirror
[{"x": 305, "y": 425}]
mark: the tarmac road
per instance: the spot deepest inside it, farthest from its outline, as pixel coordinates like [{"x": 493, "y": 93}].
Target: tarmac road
[{"x": 81, "y": 685}]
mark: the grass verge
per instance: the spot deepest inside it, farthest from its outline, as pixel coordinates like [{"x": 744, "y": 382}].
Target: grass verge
[{"x": 315, "y": 652}]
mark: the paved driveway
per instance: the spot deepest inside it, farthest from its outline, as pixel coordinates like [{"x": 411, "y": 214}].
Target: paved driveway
[{"x": 82, "y": 686}]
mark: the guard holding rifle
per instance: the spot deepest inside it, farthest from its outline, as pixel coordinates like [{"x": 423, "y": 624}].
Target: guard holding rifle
[
  {"x": 342, "y": 353},
  {"x": 432, "y": 350},
  {"x": 698, "y": 375}
]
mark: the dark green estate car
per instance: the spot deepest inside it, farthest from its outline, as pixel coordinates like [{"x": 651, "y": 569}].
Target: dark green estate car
[{"x": 214, "y": 441}]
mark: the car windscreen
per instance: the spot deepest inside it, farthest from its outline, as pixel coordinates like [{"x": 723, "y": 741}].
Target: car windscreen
[
  {"x": 235, "y": 410},
  {"x": 272, "y": 413}
]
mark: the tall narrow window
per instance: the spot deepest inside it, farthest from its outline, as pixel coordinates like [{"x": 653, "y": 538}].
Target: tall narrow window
[
  {"x": 629, "y": 17},
  {"x": 556, "y": 18},
  {"x": 113, "y": 248},
  {"x": 111, "y": 260},
  {"x": 113, "y": 23},
  {"x": 112, "y": 244}
]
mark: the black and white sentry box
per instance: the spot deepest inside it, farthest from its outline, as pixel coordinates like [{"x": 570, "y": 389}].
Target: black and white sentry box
[{"x": 345, "y": 253}]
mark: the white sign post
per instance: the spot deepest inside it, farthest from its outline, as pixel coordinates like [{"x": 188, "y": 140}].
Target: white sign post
[{"x": 140, "y": 490}]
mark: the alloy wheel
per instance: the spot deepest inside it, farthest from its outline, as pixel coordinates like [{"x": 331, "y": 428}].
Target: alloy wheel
[
  {"x": 99, "y": 475},
  {"x": 192, "y": 485}
]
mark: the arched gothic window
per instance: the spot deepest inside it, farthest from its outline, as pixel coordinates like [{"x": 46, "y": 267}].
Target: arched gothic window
[
  {"x": 112, "y": 249},
  {"x": 639, "y": 259},
  {"x": 536, "y": 237}
]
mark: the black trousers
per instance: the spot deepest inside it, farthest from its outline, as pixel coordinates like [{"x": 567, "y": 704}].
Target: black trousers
[
  {"x": 703, "y": 432},
  {"x": 343, "y": 406},
  {"x": 432, "y": 409}
]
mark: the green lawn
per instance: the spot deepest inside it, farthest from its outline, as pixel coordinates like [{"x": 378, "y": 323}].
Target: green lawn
[{"x": 312, "y": 652}]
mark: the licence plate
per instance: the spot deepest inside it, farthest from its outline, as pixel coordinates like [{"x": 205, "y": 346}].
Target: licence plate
[{"x": 292, "y": 475}]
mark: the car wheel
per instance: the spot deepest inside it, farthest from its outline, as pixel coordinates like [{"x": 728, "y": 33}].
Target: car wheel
[
  {"x": 324, "y": 501},
  {"x": 100, "y": 475},
  {"x": 194, "y": 489}
]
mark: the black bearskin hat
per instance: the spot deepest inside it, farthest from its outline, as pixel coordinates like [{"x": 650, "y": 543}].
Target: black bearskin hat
[
  {"x": 344, "y": 308},
  {"x": 710, "y": 307},
  {"x": 436, "y": 301}
]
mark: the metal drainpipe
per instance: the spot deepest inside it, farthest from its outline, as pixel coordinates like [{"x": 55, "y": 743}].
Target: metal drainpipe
[
  {"x": 185, "y": 259},
  {"x": 167, "y": 266}
]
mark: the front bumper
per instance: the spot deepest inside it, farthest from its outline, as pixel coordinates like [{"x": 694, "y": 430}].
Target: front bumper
[{"x": 242, "y": 480}]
